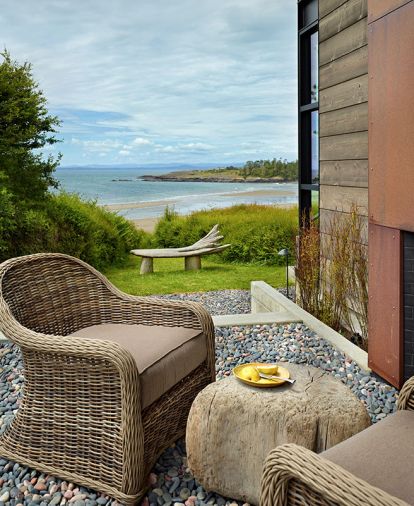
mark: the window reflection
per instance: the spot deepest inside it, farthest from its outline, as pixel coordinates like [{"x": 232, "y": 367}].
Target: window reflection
[
  {"x": 314, "y": 67},
  {"x": 315, "y": 204},
  {"x": 308, "y": 48},
  {"x": 315, "y": 146},
  {"x": 310, "y": 12}
]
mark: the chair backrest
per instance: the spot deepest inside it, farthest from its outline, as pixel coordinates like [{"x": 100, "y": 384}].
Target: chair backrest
[{"x": 53, "y": 293}]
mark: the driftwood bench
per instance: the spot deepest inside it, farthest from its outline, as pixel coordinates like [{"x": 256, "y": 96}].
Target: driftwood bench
[{"x": 209, "y": 244}]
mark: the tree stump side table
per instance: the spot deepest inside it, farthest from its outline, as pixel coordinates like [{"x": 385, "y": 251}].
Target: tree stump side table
[{"x": 232, "y": 427}]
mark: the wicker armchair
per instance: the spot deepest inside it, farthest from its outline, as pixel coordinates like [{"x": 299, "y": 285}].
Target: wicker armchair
[
  {"x": 351, "y": 473},
  {"x": 83, "y": 417}
]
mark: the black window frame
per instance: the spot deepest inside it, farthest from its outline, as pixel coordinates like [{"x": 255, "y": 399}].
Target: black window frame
[{"x": 305, "y": 109}]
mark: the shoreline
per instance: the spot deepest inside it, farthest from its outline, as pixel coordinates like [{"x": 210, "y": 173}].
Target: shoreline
[{"x": 165, "y": 202}]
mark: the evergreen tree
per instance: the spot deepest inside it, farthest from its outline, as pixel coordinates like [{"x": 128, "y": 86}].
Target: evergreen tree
[{"x": 25, "y": 128}]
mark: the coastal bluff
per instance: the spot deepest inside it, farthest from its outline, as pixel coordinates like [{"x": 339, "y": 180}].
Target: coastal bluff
[{"x": 183, "y": 177}]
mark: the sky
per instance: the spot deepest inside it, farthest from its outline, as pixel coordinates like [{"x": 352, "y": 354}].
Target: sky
[{"x": 162, "y": 81}]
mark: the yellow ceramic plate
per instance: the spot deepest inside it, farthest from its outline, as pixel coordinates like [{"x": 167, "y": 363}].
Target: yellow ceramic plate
[{"x": 262, "y": 383}]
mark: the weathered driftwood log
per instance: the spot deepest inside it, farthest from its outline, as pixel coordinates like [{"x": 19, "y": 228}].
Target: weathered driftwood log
[
  {"x": 232, "y": 427},
  {"x": 207, "y": 245}
]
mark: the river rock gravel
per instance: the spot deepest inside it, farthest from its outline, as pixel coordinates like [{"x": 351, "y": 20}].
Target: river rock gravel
[
  {"x": 219, "y": 302},
  {"x": 171, "y": 483}
]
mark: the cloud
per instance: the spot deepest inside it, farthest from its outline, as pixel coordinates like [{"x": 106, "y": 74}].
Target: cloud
[
  {"x": 97, "y": 145},
  {"x": 183, "y": 78},
  {"x": 140, "y": 141},
  {"x": 166, "y": 149},
  {"x": 196, "y": 146}
]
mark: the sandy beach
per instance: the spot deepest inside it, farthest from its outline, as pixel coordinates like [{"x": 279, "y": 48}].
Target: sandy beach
[
  {"x": 138, "y": 205},
  {"x": 146, "y": 224}
]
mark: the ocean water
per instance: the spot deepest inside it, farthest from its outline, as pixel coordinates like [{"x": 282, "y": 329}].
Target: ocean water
[{"x": 145, "y": 199}]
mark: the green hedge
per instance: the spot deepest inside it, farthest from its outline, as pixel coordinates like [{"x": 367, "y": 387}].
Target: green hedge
[
  {"x": 66, "y": 224},
  {"x": 256, "y": 232}
]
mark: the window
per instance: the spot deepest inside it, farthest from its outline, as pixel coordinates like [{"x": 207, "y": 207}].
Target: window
[{"x": 308, "y": 77}]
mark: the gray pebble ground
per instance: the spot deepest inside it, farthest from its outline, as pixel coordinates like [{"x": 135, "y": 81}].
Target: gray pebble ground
[{"x": 171, "y": 484}]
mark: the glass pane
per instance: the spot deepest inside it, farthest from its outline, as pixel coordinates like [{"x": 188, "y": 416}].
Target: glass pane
[
  {"x": 315, "y": 146},
  {"x": 310, "y": 12},
  {"x": 315, "y": 204},
  {"x": 314, "y": 67}
]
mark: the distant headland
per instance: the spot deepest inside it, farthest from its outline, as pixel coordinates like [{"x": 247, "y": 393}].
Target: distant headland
[{"x": 260, "y": 171}]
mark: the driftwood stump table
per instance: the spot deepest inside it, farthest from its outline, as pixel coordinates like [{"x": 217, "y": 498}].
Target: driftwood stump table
[
  {"x": 207, "y": 245},
  {"x": 232, "y": 427}
]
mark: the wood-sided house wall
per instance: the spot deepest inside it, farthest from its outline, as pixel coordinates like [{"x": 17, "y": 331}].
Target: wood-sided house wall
[
  {"x": 366, "y": 83},
  {"x": 343, "y": 108}
]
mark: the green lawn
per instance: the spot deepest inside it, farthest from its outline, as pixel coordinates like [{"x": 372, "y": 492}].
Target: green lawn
[{"x": 170, "y": 277}]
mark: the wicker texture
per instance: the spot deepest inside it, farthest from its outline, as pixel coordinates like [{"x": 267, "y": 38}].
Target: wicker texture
[
  {"x": 80, "y": 416},
  {"x": 406, "y": 396},
  {"x": 296, "y": 476}
]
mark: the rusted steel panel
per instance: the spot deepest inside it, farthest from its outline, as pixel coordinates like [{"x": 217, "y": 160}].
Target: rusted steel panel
[
  {"x": 385, "y": 327},
  {"x": 391, "y": 119},
  {"x": 379, "y": 8}
]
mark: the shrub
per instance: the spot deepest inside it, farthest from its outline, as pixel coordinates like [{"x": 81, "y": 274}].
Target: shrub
[
  {"x": 256, "y": 232},
  {"x": 67, "y": 224},
  {"x": 7, "y": 222}
]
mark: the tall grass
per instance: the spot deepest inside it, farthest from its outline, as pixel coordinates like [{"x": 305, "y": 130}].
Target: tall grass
[
  {"x": 347, "y": 269},
  {"x": 308, "y": 268},
  {"x": 256, "y": 232},
  {"x": 333, "y": 286}
]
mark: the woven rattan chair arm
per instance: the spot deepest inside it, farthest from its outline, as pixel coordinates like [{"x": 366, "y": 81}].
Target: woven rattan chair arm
[
  {"x": 406, "y": 395},
  {"x": 291, "y": 463}
]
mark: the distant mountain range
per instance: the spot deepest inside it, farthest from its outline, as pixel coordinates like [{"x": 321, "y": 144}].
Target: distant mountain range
[{"x": 161, "y": 166}]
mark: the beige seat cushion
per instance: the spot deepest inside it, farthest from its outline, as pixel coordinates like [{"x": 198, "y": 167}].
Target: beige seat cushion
[
  {"x": 164, "y": 355},
  {"x": 382, "y": 455}
]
